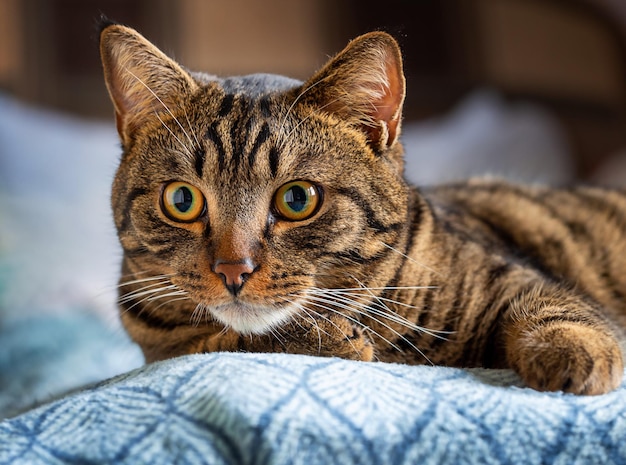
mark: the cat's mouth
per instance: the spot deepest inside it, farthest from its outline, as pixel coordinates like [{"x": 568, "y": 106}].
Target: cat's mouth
[{"x": 251, "y": 319}]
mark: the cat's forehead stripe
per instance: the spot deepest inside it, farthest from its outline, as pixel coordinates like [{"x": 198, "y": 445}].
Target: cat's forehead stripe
[
  {"x": 213, "y": 136},
  {"x": 261, "y": 137},
  {"x": 200, "y": 159},
  {"x": 233, "y": 132},
  {"x": 273, "y": 159},
  {"x": 226, "y": 106}
]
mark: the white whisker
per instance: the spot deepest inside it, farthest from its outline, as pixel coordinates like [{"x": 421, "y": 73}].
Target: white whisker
[
  {"x": 146, "y": 290},
  {"x": 196, "y": 316},
  {"x": 143, "y": 280},
  {"x": 325, "y": 318},
  {"x": 411, "y": 259},
  {"x": 324, "y": 303},
  {"x": 295, "y": 101},
  {"x": 394, "y": 316},
  {"x": 162, "y": 103},
  {"x": 303, "y": 120},
  {"x": 193, "y": 133},
  {"x": 367, "y": 311},
  {"x": 189, "y": 154},
  {"x": 275, "y": 332},
  {"x": 169, "y": 294},
  {"x": 120, "y": 285},
  {"x": 156, "y": 288},
  {"x": 383, "y": 288},
  {"x": 168, "y": 302},
  {"x": 307, "y": 315}
]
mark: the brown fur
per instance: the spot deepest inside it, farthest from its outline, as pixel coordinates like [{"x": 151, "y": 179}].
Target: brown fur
[{"x": 482, "y": 273}]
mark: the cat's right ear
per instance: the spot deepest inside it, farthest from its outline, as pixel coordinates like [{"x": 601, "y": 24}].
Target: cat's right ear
[
  {"x": 363, "y": 84},
  {"x": 142, "y": 81}
]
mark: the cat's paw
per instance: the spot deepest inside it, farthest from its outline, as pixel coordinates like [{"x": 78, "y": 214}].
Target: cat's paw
[
  {"x": 335, "y": 336},
  {"x": 567, "y": 357}
]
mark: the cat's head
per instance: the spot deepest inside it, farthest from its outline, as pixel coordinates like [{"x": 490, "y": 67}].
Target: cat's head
[{"x": 247, "y": 195}]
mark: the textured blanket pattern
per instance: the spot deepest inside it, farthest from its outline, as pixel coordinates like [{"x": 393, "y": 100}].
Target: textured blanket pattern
[{"x": 285, "y": 409}]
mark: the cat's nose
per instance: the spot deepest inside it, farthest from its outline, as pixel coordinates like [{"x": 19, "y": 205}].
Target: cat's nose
[{"x": 234, "y": 274}]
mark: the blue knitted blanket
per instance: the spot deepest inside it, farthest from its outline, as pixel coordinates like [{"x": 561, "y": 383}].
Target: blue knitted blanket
[{"x": 286, "y": 409}]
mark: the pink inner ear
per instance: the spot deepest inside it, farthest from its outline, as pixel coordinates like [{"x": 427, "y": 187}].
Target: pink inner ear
[
  {"x": 387, "y": 108},
  {"x": 119, "y": 94}
]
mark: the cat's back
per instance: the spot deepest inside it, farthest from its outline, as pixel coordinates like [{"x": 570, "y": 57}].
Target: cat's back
[
  {"x": 577, "y": 234},
  {"x": 505, "y": 204}
]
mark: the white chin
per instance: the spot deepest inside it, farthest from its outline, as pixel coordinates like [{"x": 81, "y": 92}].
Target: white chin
[{"x": 248, "y": 319}]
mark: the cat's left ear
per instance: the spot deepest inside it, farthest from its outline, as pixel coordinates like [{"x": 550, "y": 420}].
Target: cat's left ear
[
  {"x": 142, "y": 81},
  {"x": 365, "y": 85}
]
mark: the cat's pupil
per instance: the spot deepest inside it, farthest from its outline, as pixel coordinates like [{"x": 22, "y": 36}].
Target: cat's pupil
[
  {"x": 296, "y": 198},
  {"x": 183, "y": 199}
]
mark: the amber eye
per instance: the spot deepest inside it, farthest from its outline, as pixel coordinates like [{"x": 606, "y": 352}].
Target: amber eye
[
  {"x": 182, "y": 202},
  {"x": 297, "y": 200}
]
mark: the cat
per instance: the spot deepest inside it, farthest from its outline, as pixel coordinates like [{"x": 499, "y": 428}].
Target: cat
[{"x": 260, "y": 213}]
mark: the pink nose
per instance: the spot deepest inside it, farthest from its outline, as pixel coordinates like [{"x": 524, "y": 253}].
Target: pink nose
[{"x": 234, "y": 275}]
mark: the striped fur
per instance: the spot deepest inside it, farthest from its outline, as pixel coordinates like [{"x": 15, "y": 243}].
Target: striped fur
[{"x": 482, "y": 273}]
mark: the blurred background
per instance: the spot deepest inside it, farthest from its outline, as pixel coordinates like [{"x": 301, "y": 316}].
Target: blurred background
[
  {"x": 533, "y": 90},
  {"x": 567, "y": 55}
]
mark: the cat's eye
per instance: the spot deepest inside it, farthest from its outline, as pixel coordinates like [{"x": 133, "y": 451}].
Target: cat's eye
[
  {"x": 182, "y": 202},
  {"x": 297, "y": 200}
]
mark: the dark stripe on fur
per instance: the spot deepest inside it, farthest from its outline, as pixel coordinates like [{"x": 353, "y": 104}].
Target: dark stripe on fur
[
  {"x": 427, "y": 307},
  {"x": 138, "y": 312},
  {"x": 190, "y": 275},
  {"x": 532, "y": 258},
  {"x": 354, "y": 256},
  {"x": 130, "y": 198},
  {"x": 615, "y": 212},
  {"x": 240, "y": 131},
  {"x": 273, "y": 158},
  {"x": 265, "y": 107},
  {"x": 261, "y": 137},
  {"x": 497, "y": 271},
  {"x": 136, "y": 252},
  {"x": 562, "y": 318},
  {"x": 491, "y": 351},
  {"x": 200, "y": 156},
  {"x": 415, "y": 223},
  {"x": 445, "y": 338},
  {"x": 213, "y": 136},
  {"x": 166, "y": 252},
  {"x": 226, "y": 106},
  {"x": 372, "y": 221},
  {"x": 237, "y": 139},
  {"x": 460, "y": 295}
]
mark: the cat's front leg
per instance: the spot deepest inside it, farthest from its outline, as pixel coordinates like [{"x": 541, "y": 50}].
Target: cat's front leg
[
  {"x": 326, "y": 336},
  {"x": 560, "y": 342},
  {"x": 329, "y": 336}
]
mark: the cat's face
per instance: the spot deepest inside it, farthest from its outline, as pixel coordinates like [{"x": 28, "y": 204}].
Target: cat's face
[{"x": 250, "y": 196}]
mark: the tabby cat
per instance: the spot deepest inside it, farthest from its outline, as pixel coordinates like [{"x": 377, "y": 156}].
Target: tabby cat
[{"x": 260, "y": 213}]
